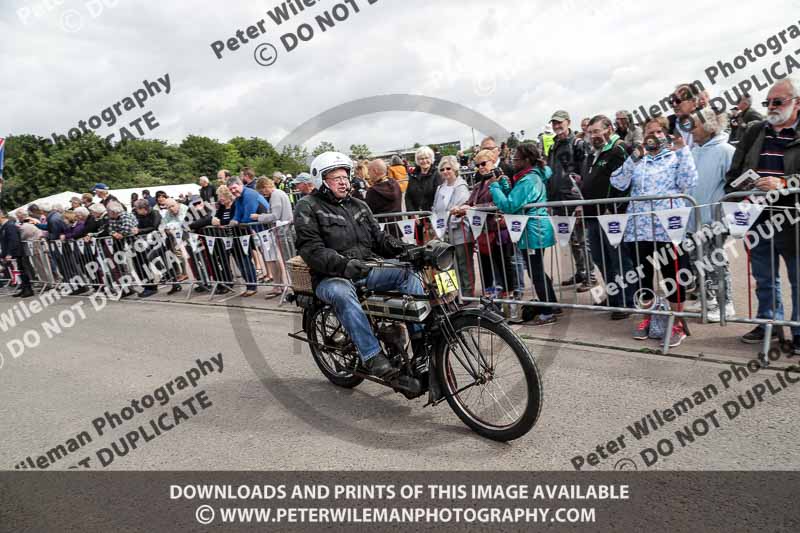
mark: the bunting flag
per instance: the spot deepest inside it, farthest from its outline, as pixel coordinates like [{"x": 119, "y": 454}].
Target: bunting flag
[
  {"x": 516, "y": 225},
  {"x": 675, "y": 222},
  {"x": 228, "y": 242},
  {"x": 30, "y": 247},
  {"x": 563, "y": 227},
  {"x": 382, "y": 226},
  {"x": 407, "y": 228},
  {"x": 60, "y": 246},
  {"x": 264, "y": 241},
  {"x": 740, "y": 216},
  {"x": 81, "y": 245},
  {"x": 245, "y": 242},
  {"x": 476, "y": 221},
  {"x": 439, "y": 221},
  {"x": 614, "y": 226},
  {"x": 210, "y": 243},
  {"x": 178, "y": 234},
  {"x": 193, "y": 240}
]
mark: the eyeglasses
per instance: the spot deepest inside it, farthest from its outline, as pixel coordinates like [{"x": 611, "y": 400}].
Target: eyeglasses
[
  {"x": 483, "y": 164},
  {"x": 675, "y": 100},
  {"x": 446, "y": 169},
  {"x": 777, "y": 102},
  {"x": 338, "y": 179}
]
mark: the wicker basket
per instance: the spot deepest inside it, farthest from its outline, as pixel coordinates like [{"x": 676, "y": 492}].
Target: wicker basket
[{"x": 300, "y": 275}]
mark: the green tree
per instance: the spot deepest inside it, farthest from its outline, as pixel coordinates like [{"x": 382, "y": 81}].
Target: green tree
[
  {"x": 207, "y": 155},
  {"x": 360, "y": 151},
  {"x": 323, "y": 147}
]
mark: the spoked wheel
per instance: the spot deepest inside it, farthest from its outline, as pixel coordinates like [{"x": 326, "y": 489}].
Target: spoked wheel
[
  {"x": 326, "y": 331},
  {"x": 490, "y": 379}
]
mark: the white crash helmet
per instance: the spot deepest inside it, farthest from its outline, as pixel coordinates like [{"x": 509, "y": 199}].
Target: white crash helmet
[{"x": 326, "y": 162}]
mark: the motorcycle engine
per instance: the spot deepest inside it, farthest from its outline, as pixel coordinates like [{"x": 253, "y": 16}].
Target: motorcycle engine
[{"x": 393, "y": 337}]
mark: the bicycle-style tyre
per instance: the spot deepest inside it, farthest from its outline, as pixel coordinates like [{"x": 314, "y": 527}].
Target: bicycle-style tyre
[
  {"x": 321, "y": 328},
  {"x": 497, "y": 394}
]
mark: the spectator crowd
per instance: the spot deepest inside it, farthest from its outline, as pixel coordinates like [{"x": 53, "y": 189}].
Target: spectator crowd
[{"x": 603, "y": 173}]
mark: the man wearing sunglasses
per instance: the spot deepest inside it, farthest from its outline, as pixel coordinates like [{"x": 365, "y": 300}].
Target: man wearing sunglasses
[
  {"x": 772, "y": 149},
  {"x": 686, "y": 101}
]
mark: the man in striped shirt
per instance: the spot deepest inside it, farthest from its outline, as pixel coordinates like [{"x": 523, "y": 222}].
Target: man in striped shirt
[{"x": 772, "y": 149}]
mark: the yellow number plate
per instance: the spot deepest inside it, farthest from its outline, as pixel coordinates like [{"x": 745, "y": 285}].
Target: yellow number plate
[{"x": 446, "y": 282}]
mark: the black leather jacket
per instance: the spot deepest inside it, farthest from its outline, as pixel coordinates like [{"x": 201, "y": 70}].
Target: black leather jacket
[{"x": 331, "y": 232}]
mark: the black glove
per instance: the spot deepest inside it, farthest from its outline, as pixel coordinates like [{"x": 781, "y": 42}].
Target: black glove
[
  {"x": 395, "y": 247},
  {"x": 356, "y": 269}
]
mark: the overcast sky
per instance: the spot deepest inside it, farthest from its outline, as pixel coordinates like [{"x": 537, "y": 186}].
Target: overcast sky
[{"x": 515, "y": 61}]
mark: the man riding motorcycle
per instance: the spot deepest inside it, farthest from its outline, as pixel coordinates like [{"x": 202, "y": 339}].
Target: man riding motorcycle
[{"x": 336, "y": 236}]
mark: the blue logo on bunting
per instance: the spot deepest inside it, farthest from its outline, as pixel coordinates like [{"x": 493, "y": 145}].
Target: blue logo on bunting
[
  {"x": 563, "y": 228},
  {"x": 741, "y": 218},
  {"x": 440, "y": 223},
  {"x": 407, "y": 230},
  {"x": 674, "y": 222},
  {"x": 516, "y": 226},
  {"x": 476, "y": 220},
  {"x": 613, "y": 227}
]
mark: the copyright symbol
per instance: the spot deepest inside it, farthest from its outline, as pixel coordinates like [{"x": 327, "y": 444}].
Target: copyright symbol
[
  {"x": 71, "y": 20},
  {"x": 204, "y": 514},
  {"x": 265, "y": 54},
  {"x": 626, "y": 464},
  {"x": 485, "y": 87}
]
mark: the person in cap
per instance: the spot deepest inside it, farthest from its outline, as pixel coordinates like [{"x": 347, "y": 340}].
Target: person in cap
[
  {"x": 101, "y": 191},
  {"x": 336, "y": 236},
  {"x": 303, "y": 184},
  {"x": 566, "y": 159}
]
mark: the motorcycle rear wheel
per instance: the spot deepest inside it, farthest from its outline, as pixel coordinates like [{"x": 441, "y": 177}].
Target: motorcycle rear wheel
[
  {"x": 497, "y": 393},
  {"x": 333, "y": 364}
]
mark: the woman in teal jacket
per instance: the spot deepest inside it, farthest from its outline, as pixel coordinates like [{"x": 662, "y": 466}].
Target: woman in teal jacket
[{"x": 528, "y": 187}]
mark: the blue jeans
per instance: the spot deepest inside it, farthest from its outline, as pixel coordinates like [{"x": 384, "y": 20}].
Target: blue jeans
[
  {"x": 607, "y": 259},
  {"x": 763, "y": 256},
  {"x": 340, "y": 293}
]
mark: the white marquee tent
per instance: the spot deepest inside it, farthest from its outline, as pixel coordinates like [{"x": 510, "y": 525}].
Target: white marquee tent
[{"x": 123, "y": 195}]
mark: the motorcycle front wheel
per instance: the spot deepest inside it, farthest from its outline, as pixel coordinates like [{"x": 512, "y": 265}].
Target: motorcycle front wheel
[
  {"x": 490, "y": 379},
  {"x": 324, "y": 334}
]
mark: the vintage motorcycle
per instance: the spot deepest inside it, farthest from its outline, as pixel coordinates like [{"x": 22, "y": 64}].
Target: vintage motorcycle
[{"x": 466, "y": 356}]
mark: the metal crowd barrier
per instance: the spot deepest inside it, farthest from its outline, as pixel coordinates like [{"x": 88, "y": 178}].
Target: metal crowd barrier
[
  {"x": 219, "y": 259},
  {"x": 489, "y": 266},
  {"x": 504, "y": 272}
]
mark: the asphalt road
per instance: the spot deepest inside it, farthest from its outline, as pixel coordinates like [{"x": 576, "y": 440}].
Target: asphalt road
[{"x": 270, "y": 408}]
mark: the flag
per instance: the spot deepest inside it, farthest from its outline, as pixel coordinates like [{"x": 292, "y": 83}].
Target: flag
[
  {"x": 674, "y": 222},
  {"x": 614, "y": 226},
  {"x": 476, "y": 221},
  {"x": 740, "y": 217},
  {"x": 516, "y": 225},
  {"x": 439, "y": 221},
  {"x": 407, "y": 229},
  {"x": 563, "y": 227}
]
